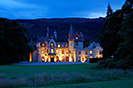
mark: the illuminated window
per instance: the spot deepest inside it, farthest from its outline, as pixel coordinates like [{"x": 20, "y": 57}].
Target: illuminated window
[
  {"x": 86, "y": 52},
  {"x": 67, "y": 59},
  {"x": 57, "y": 51},
  {"x": 100, "y": 57},
  {"x": 66, "y": 51},
  {"x": 42, "y": 50},
  {"x": 79, "y": 58},
  {"x": 79, "y": 52},
  {"x": 91, "y": 52},
  {"x": 62, "y": 51},
  {"x": 52, "y": 44},
  {"x": 76, "y": 37},
  {"x": 42, "y": 44},
  {"x": 100, "y": 52},
  {"x": 62, "y": 58},
  {"x": 76, "y": 43},
  {"x": 86, "y": 58},
  {"x": 91, "y": 57},
  {"x": 66, "y": 45},
  {"x": 58, "y": 45},
  {"x": 43, "y": 59},
  {"x": 52, "y": 50}
]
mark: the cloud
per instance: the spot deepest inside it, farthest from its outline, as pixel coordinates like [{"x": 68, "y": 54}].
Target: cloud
[
  {"x": 32, "y": 9},
  {"x": 16, "y": 10}
]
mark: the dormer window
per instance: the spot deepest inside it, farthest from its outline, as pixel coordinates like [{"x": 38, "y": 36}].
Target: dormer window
[{"x": 52, "y": 44}]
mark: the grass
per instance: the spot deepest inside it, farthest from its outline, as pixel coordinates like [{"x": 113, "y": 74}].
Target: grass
[{"x": 74, "y": 75}]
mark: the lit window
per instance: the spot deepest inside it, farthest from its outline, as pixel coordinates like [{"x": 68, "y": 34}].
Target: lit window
[
  {"x": 57, "y": 51},
  {"x": 76, "y": 37},
  {"x": 52, "y": 50},
  {"x": 91, "y": 57},
  {"x": 66, "y": 45},
  {"x": 42, "y": 50},
  {"x": 79, "y": 58},
  {"x": 96, "y": 56},
  {"x": 52, "y": 44},
  {"x": 86, "y": 58},
  {"x": 76, "y": 43},
  {"x": 42, "y": 44},
  {"x": 100, "y": 52},
  {"x": 79, "y": 52},
  {"x": 91, "y": 52},
  {"x": 62, "y": 51},
  {"x": 58, "y": 45},
  {"x": 66, "y": 51},
  {"x": 86, "y": 52}
]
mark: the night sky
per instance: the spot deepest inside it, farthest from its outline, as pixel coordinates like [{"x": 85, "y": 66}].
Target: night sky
[{"x": 33, "y": 9}]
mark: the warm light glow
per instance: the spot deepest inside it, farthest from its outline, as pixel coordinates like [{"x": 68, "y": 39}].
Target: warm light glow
[
  {"x": 58, "y": 45},
  {"x": 42, "y": 44},
  {"x": 79, "y": 52},
  {"x": 91, "y": 52},
  {"x": 52, "y": 44},
  {"x": 82, "y": 60},
  {"x": 43, "y": 58},
  {"x": 91, "y": 57},
  {"x": 76, "y": 37},
  {"x": 30, "y": 58},
  {"x": 62, "y": 51},
  {"x": 42, "y": 50},
  {"x": 57, "y": 51},
  {"x": 60, "y": 58},
  {"x": 67, "y": 51},
  {"x": 86, "y": 52},
  {"x": 49, "y": 59},
  {"x": 70, "y": 59},
  {"x": 52, "y": 50}
]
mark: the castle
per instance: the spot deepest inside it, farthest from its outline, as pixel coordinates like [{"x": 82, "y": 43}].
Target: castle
[{"x": 48, "y": 50}]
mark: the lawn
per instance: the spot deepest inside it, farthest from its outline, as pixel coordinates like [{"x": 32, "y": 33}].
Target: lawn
[{"x": 72, "y": 75}]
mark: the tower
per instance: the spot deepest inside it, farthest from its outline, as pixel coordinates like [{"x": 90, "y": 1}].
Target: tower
[{"x": 71, "y": 44}]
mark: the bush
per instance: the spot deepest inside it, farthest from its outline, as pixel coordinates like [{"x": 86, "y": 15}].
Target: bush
[{"x": 106, "y": 63}]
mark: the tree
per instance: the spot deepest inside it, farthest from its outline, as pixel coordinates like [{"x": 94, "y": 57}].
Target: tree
[
  {"x": 109, "y": 11},
  {"x": 14, "y": 41}
]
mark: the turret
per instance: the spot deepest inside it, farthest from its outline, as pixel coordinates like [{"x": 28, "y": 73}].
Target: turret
[
  {"x": 71, "y": 33},
  {"x": 55, "y": 35}
]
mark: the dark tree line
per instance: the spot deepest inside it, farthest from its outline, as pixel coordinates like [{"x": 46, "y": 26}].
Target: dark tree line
[
  {"x": 13, "y": 41},
  {"x": 116, "y": 37}
]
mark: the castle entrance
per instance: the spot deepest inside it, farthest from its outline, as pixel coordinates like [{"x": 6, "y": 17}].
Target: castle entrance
[{"x": 52, "y": 58}]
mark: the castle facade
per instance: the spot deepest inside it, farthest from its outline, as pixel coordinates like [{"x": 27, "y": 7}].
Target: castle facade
[{"x": 48, "y": 50}]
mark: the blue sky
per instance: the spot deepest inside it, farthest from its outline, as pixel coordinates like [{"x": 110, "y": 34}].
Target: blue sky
[{"x": 33, "y": 9}]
